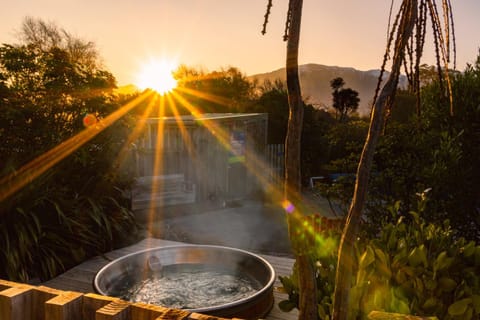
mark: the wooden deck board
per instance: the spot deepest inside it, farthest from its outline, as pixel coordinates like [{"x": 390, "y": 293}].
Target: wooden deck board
[{"x": 80, "y": 278}]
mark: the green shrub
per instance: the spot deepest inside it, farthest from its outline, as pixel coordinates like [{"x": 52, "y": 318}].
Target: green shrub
[
  {"x": 325, "y": 238},
  {"x": 47, "y": 228},
  {"x": 411, "y": 267}
]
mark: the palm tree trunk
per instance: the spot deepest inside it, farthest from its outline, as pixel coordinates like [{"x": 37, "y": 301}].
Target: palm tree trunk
[
  {"x": 306, "y": 270},
  {"x": 346, "y": 252}
]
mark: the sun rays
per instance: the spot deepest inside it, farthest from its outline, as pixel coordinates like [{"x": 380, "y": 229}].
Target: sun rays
[{"x": 156, "y": 104}]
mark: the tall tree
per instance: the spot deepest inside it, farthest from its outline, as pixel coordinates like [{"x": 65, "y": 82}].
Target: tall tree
[
  {"x": 292, "y": 188},
  {"x": 57, "y": 102},
  {"x": 307, "y": 283},
  {"x": 409, "y": 31}
]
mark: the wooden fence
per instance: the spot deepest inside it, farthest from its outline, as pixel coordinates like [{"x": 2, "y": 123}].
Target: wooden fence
[
  {"x": 25, "y": 302},
  {"x": 275, "y": 157}
]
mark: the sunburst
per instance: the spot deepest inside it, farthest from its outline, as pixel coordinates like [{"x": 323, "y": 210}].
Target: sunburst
[{"x": 158, "y": 76}]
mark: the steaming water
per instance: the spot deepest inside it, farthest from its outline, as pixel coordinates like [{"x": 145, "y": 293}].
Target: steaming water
[{"x": 189, "y": 287}]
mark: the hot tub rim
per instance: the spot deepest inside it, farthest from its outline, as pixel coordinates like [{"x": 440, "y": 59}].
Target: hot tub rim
[{"x": 264, "y": 290}]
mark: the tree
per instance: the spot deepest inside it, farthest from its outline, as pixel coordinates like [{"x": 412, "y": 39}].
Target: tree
[
  {"x": 292, "y": 187},
  {"x": 307, "y": 284},
  {"x": 50, "y": 95},
  {"x": 345, "y": 100},
  {"x": 226, "y": 90},
  {"x": 272, "y": 99},
  {"x": 411, "y": 17}
]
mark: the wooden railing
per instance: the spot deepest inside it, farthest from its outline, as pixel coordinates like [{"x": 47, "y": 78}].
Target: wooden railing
[{"x": 24, "y": 302}]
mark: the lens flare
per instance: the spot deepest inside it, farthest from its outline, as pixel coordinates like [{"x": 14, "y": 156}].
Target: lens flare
[
  {"x": 288, "y": 206},
  {"x": 89, "y": 120}
]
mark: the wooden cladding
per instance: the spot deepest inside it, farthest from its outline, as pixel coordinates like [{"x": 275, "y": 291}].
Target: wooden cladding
[{"x": 24, "y": 302}]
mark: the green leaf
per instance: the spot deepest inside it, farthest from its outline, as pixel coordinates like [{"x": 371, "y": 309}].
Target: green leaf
[
  {"x": 392, "y": 240},
  {"x": 477, "y": 256},
  {"x": 418, "y": 255},
  {"x": 447, "y": 284},
  {"x": 476, "y": 303},
  {"x": 367, "y": 258},
  {"x": 286, "y": 305},
  {"x": 458, "y": 308},
  {"x": 469, "y": 249},
  {"x": 415, "y": 216},
  {"x": 400, "y": 277},
  {"x": 419, "y": 286},
  {"x": 321, "y": 312},
  {"x": 381, "y": 256},
  {"x": 430, "y": 304},
  {"x": 287, "y": 284},
  {"x": 382, "y": 264},
  {"x": 400, "y": 257},
  {"x": 442, "y": 262}
]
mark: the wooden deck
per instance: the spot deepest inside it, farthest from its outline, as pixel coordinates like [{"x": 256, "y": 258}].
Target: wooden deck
[{"x": 80, "y": 278}]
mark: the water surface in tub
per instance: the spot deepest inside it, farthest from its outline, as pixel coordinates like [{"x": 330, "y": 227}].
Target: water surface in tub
[{"x": 187, "y": 286}]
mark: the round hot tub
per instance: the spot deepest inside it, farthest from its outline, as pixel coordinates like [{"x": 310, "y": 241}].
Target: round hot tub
[{"x": 213, "y": 280}]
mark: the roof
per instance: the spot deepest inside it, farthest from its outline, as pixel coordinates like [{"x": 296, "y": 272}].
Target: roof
[{"x": 186, "y": 119}]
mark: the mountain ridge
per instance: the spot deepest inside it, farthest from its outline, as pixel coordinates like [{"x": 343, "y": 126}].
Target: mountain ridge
[{"x": 315, "y": 83}]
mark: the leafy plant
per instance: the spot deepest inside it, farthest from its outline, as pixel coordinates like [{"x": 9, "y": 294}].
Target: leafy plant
[
  {"x": 324, "y": 235},
  {"x": 420, "y": 268},
  {"x": 411, "y": 267}
]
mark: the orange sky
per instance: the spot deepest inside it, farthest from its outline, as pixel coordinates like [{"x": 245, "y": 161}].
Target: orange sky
[{"x": 220, "y": 33}]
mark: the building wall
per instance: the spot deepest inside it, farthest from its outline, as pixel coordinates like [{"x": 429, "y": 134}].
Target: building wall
[{"x": 219, "y": 156}]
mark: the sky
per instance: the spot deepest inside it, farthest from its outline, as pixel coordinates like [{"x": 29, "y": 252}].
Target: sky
[{"x": 214, "y": 34}]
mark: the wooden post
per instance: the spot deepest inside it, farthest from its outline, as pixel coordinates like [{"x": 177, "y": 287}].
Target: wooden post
[
  {"x": 25, "y": 302},
  {"x": 116, "y": 310},
  {"x": 198, "y": 316},
  {"x": 67, "y": 306},
  {"x": 16, "y": 303},
  {"x": 380, "y": 315},
  {"x": 42, "y": 294},
  {"x": 92, "y": 302},
  {"x": 4, "y": 284},
  {"x": 145, "y": 311}
]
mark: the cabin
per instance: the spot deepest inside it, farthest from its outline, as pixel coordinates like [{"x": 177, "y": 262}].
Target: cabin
[{"x": 192, "y": 159}]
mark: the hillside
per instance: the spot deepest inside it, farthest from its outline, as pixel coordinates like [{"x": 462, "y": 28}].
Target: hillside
[{"x": 315, "y": 83}]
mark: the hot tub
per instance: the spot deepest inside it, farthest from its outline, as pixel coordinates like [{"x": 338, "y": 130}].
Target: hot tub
[{"x": 213, "y": 280}]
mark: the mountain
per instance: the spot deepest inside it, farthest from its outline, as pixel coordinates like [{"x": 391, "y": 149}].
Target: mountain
[{"x": 315, "y": 83}]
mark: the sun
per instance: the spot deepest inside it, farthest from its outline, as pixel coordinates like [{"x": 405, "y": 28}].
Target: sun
[{"x": 157, "y": 75}]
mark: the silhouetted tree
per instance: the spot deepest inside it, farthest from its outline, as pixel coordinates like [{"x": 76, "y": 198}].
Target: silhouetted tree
[
  {"x": 64, "y": 211},
  {"x": 345, "y": 100},
  {"x": 226, "y": 90},
  {"x": 273, "y": 99}
]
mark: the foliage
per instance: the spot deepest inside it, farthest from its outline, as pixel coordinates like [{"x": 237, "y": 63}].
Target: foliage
[
  {"x": 345, "y": 100},
  {"x": 272, "y": 99},
  {"x": 49, "y": 86},
  {"x": 226, "y": 90},
  {"x": 454, "y": 174},
  {"x": 315, "y": 142},
  {"x": 418, "y": 268},
  {"x": 411, "y": 267},
  {"x": 434, "y": 150},
  {"x": 324, "y": 236}
]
